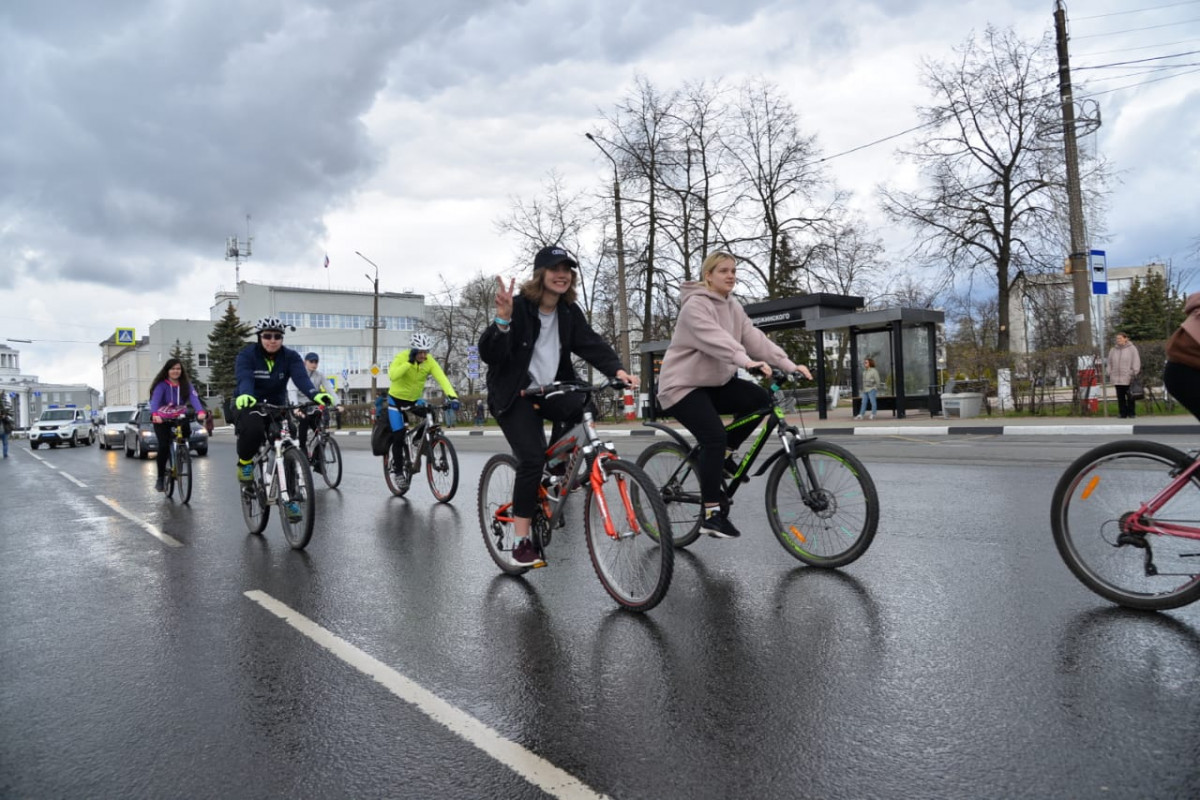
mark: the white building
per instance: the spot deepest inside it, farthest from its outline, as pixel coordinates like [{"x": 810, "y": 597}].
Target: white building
[{"x": 28, "y": 397}]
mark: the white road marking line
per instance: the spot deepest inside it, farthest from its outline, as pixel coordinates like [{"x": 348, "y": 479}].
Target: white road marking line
[
  {"x": 530, "y": 766},
  {"x": 73, "y": 479},
  {"x": 146, "y": 526}
]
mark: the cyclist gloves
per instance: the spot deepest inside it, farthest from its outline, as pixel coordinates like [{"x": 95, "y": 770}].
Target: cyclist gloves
[
  {"x": 245, "y": 401},
  {"x": 323, "y": 398}
]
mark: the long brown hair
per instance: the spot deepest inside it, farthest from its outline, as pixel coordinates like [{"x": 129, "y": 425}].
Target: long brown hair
[
  {"x": 185, "y": 386},
  {"x": 533, "y": 288}
]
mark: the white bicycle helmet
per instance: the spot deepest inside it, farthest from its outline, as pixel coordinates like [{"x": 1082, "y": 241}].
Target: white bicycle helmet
[
  {"x": 269, "y": 324},
  {"x": 422, "y": 341}
]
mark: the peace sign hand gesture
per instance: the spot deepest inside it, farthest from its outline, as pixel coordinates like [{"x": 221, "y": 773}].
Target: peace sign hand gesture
[{"x": 504, "y": 298}]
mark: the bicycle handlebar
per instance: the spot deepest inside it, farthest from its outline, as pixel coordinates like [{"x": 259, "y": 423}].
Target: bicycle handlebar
[
  {"x": 778, "y": 375},
  {"x": 562, "y": 387}
]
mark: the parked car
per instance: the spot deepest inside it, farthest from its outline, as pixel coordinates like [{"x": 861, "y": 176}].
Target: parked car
[
  {"x": 140, "y": 440},
  {"x": 58, "y": 426},
  {"x": 112, "y": 426}
]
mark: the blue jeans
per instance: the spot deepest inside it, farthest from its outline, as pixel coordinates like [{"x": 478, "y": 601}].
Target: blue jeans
[{"x": 868, "y": 399}]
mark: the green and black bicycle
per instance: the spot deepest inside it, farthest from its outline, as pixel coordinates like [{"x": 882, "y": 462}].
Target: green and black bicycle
[{"x": 821, "y": 502}]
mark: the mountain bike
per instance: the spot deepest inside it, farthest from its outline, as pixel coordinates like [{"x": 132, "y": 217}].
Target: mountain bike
[
  {"x": 179, "y": 459},
  {"x": 1126, "y": 520},
  {"x": 324, "y": 453},
  {"x": 424, "y": 440},
  {"x": 627, "y": 528},
  {"x": 282, "y": 478},
  {"x": 821, "y": 502}
]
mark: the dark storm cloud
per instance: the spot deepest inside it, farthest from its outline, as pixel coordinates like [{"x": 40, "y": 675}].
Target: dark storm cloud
[{"x": 155, "y": 127}]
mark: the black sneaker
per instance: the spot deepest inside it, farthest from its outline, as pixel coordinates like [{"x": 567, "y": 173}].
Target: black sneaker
[
  {"x": 315, "y": 463},
  {"x": 718, "y": 526},
  {"x": 526, "y": 555},
  {"x": 158, "y": 484}
]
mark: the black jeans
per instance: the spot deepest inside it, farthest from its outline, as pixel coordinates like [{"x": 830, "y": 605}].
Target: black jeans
[
  {"x": 525, "y": 429},
  {"x": 308, "y": 422},
  {"x": 1126, "y": 407},
  {"x": 1184, "y": 385},
  {"x": 700, "y": 412}
]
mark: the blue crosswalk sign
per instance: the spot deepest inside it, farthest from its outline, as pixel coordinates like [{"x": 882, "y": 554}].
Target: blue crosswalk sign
[{"x": 126, "y": 336}]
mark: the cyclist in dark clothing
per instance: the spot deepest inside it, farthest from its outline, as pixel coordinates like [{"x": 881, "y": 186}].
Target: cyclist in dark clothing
[
  {"x": 530, "y": 343},
  {"x": 263, "y": 370}
]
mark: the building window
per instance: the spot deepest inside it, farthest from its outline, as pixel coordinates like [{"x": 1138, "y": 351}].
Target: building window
[
  {"x": 293, "y": 318},
  {"x": 201, "y": 359},
  {"x": 320, "y": 320}
]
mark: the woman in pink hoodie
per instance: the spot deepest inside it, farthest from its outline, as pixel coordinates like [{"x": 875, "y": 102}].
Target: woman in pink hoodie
[{"x": 698, "y": 383}]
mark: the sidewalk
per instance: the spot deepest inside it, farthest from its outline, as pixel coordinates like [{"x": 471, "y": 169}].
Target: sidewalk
[{"x": 841, "y": 422}]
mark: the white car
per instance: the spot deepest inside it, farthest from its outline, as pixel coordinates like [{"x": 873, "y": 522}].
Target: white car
[
  {"x": 62, "y": 426},
  {"x": 112, "y": 426}
]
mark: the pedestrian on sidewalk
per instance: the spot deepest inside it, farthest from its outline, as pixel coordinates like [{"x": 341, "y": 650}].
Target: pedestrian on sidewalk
[
  {"x": 1124, "y": 363},
  {"x": 870, "y": 389},
  {"x": 6, "y": 429}
]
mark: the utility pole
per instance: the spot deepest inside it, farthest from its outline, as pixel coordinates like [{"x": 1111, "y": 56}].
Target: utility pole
[
  {"x": 622, "y": 304},
  {"x": 374, "y": 326},
  {"x": 1080, "y": 285}
]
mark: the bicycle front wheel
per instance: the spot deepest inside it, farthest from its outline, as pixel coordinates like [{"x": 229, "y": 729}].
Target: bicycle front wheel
[
  {"x": 669, "y": 468},
  {"x": 298, "y": 512},
  {"x": 183, "y": 473},
  {"x": 441, "y": 467},
  {"x": 629, "y": 536},
  {"x": 1096, "y": 498},
  {"x": 254, "y": 502},
  {"x": 328, "y": 458},
  {"x": 836, "y": 522},
  {"x": 495, "y": 511}
]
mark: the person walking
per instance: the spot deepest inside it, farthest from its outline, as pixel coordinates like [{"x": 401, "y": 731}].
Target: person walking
[
  {"x": 479, "y": 413},
  {"x": 1124, "y": 362},
  {"x": 870, "y": 389},
  {"x": 6, "y": 429}
]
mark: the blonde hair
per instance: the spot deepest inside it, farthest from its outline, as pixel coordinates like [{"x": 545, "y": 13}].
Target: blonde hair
[
  {"x": 533, "y": 288},
  {"x": 711, "y": 261}
]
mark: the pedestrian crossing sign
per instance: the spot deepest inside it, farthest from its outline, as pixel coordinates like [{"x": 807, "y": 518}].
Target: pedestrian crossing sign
[{"x": 126, "y": 336}]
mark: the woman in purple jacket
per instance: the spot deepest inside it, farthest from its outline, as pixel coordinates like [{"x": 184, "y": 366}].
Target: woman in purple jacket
[
  {"x": 698, "y": 381},
  {"x": 170, "y": 392}
]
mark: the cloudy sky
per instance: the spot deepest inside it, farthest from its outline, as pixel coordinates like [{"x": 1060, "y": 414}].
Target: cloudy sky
[{"x": 139, "y": 134}]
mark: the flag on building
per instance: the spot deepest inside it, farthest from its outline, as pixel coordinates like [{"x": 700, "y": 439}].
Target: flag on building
[{"x": 327, "y": 261}]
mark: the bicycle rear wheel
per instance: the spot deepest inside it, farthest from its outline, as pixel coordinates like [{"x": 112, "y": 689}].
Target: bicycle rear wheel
[
  {"x": 398, "y": 483},
  {"x": 629, "y": 536},
  {"x": 1094, "y": 500},
  {"x": 441, "y": 468},
  {"x": 495, "y": 511},
  {"x": 328, "y": 456},
  {"x": 298, "y": 512},
  {"x": 182, "y": 477},
  {"x": 838, "y": 522},
  {"x": 254, "y": 501},
  {"x": 679, "y": 485}
]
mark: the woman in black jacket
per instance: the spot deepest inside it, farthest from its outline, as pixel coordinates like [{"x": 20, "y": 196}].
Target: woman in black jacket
[{"x": 530, "y": 344}]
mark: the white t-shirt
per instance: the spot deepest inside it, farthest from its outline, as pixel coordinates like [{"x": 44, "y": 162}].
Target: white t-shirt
[{"x": 546, "y": 350}]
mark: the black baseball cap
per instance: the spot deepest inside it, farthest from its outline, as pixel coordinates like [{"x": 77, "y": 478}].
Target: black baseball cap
[{"x": 549, "y": 256}]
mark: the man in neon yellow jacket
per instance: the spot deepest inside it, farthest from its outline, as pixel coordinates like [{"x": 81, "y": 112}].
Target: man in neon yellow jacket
[{"x": 407, "y": 375}]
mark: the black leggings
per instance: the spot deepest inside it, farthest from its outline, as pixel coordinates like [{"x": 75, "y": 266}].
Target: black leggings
[
  {"x": 165, "y": 433},
  {"x": 700, "y": 411},
  {"x": 1184, "y": 385}
]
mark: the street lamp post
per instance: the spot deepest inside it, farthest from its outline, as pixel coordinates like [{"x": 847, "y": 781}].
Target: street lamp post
[
  {"x": 622, "y": 321},
  {"x": 374, "y": 324}
]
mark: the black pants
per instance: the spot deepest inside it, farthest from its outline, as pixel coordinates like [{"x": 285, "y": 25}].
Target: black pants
[
  {"x": 308, "y": 422},
  {"x": 400, "y": 413},
  {"x": 251, "y": 428},
  {"x": 165, "y": 433},
  {"x": 700, "y": 412},
  {"x": 1126, "y": 406},
  {"x": 525, "y": 429},
  {"x": 1184, "y": 385}
]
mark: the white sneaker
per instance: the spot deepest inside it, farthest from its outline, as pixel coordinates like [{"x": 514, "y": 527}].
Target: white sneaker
[{"x": 858, "y": 416}]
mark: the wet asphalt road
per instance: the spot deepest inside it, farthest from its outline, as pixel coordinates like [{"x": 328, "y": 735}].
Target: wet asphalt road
[{"x": 957, "y": 658}]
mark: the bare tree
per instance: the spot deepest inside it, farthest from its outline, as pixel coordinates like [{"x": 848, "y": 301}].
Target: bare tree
[{"x": 990, "y": 171}]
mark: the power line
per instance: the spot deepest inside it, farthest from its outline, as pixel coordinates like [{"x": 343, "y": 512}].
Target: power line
[
  {"x": 1138, "y": 10},
  {"x": 1131, "y": 49},
  {"x": 1135, "y": 30},
  {"x": 1142, "y": 83},
  {"x": 1138, "y": 61},
  {"x": 877, "y": 141}
]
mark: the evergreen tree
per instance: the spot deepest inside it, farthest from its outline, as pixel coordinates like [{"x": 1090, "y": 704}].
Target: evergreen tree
[
  {"x": 1150, "y": 310},
  {"x": 228, "y": 337}
]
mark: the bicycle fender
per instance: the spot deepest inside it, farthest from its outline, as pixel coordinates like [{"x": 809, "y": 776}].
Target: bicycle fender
[
  {"x": 778, "y": 454},
  {"x": 674, "y": 434}
]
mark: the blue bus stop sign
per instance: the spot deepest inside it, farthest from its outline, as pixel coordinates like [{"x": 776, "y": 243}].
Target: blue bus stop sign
[{"x": 1098, "y": 266}]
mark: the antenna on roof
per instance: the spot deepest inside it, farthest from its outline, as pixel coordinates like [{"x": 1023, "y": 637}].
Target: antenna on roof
[{"x": 234, "y": 250}]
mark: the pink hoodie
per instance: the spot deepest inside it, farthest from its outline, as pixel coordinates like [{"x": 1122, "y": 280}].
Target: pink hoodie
[{"x": 713, "y": 339}]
